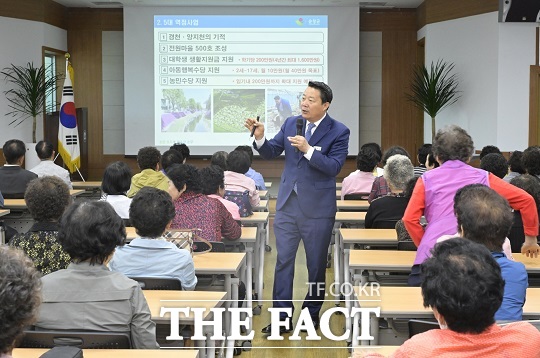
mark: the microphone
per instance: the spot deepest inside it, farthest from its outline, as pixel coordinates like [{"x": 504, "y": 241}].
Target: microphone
[{"x": 299, "y": 128}]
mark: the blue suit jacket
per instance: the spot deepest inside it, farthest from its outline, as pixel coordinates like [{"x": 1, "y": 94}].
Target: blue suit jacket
[{"x": 316, "y": 178}]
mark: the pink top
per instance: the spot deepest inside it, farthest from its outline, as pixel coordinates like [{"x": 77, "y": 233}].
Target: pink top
[
  {"x": 519, "y": 339},
  {"x": 239, "y": 182},
  {"x": 229, "y": 205},
  {"x": 357, "y": 182}
]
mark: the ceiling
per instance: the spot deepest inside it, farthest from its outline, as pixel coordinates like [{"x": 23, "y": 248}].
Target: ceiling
[{"x": 374, "y": 4}]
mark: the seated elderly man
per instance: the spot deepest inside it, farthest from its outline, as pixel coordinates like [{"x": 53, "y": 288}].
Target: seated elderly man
[
  {"x": 398, "y": 171},
  {"x": 464, "y": 288},
  {"x": 47, "y": 198},
  {"x": 13, "y": 178},
  {"x": 19, "y": 297},
  {"x": 45, "y": 152},
  {"x": 485, "y": 217},
  {"x": 86, "y": 295},
  {"x": 149, "y": 255}
]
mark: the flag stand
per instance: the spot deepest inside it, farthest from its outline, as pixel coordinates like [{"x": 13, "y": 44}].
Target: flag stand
[{"x": 78, "y": 171}]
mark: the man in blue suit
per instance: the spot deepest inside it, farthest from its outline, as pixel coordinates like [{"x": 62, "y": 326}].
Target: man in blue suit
[{"x": 306, "y": 204}]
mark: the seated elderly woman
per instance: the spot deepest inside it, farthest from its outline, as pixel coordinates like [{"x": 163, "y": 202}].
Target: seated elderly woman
[
  {"x": 361, "y": 180},
  {"x": 19, "y": 297},
  {"x": 47, "y": 198},
  {"x": 434, "y": 192},
  {"x": 380, "y": 186},
  {"x": 196, "y": 210},
  {"x": 238, "y": 164},
  {"x": 149, "y": 255},
  {"x": 385, "y": 211},
  {"x": 466, "y": 316},
  {"x": 114, "y": 187},
  {"x": 86, "y": 295},
  {"x": 213, "y": 185}
]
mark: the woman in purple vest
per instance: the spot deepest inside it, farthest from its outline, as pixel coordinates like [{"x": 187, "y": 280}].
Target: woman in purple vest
[{"x": 433, "y": 197}]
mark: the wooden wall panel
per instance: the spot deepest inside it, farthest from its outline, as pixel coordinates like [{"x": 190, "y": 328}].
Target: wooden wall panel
[
  {"x": 46, "y": 11},
  {"x": 399, "y": 118},
  {"x": 421, "y": 15},
  {"x": 443, "y": 10}
]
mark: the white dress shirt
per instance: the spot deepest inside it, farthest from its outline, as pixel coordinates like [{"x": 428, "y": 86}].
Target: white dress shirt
[{"x": 48, "y": 168}]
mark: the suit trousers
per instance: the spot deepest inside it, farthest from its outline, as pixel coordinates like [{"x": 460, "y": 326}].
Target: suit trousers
[{"x": 291, "y": 226}]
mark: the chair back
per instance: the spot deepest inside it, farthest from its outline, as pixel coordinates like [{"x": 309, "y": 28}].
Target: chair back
[
  {"x": 406, "y": 246},
  {"x": 158, "y": 283},
  {"x": 81, "y": 339},
  {"x": 356, "y": 196},
  {"x": 384, "y": 224},
  {"x": 240, "y": 198},
  {"x": 419, "y": 326}
]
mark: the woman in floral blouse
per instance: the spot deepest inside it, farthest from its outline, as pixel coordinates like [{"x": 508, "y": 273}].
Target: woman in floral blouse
[
  {"x": 195, "y": 210},
  {"x": 47, "y": 198}
]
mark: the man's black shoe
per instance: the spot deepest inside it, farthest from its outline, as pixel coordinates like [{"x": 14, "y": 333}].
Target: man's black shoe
[{"x": 268, "y": 329}]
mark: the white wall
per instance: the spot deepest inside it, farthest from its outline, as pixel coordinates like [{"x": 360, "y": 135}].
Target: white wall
[
  {"x": 21, "y": 42},
  {"x": 492, "y": 61},
  {"x": 370, "y": 87}
]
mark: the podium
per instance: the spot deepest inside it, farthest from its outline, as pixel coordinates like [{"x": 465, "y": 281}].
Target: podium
[{"x": 50, "y": 129}]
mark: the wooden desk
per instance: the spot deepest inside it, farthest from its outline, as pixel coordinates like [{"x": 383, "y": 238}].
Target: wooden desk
[
  {"x": 383, "y": 350},
  {"x": 358, "y": 205},
  {"x": 87, "y": 185},
  {"x": 21, "y": 204},
  {"x": 379, "y": 237},
  {"x": 248, "y": 234},
  {"x": 197, "y": 299},
  {"x": 3, "y": 233},
  {"x": 353, "y": 217},
  {"x": 268, "y": 184},
  {"x": 263, "y": 206},
  {"x": 407, "y": 302},
  {"x": 263, "y": 194},
  {"x": 4, "y": 212},
  {"x": 116, "y": 353},
  {"x": 339, "y": 185}
]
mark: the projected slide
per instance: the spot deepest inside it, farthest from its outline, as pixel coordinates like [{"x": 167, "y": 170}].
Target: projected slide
[{"x": 212, "y": 72}]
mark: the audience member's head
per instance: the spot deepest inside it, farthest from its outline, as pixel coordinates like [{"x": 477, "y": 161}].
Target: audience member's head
[
  {"x": 423, "y": 152},
  {"x": 183, "y": 177},
  {"x": 90, "y": 231},
  {"x": 238, "y": 162},
  {"x": 248, "y": 150},
  {"x": 431, "y": 162},
  {"x": 116, "y": 179},
  {"x": 14, "y": 151},
  {"x": 514, "y": 162},
  {"x": 409, "y": 188},
  {"x": 489, "y": 149},
  {"x": 463, "y": 285},
  {"x": 47, "y": 198},
  {"x": 396, "y": 149},
  {"x": 150, "y": 212},
  {"x": 171, "y": 157},
  {"x": 483, "y": 216},
  {"x": 530, "y": 184},
  {"x": 397, "y": 172},
  {"x": 374, "y": 147},
  {"x": 183, "y": 149},
  {"x": 531, "y": 160},
  {"x": 219, "y": 158},
  {"x": 495, "y": 164},
  {"x": 212, "y": 180},
  {"x": 367, "y": 160},
  {"x": 148, "y": 158},
  {"x": 452, "y": 143},
  {"x": 20, "y": 296},
  {"x": 44, "y": 150}
]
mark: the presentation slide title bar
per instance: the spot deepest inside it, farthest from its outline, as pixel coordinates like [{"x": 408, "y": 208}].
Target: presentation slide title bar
[{"x": 276, "y": 22}]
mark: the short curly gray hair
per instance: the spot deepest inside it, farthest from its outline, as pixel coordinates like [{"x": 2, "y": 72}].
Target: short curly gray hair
[
  {"x": 20, "y": 288},
  {"x": 398, "y": 171},
  {"x": 452, "y": 143}
]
